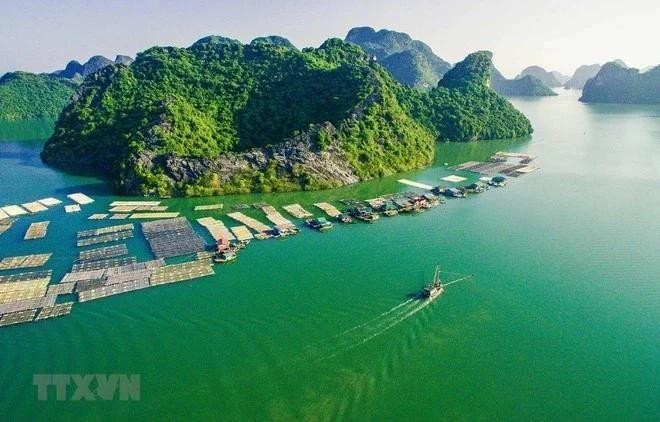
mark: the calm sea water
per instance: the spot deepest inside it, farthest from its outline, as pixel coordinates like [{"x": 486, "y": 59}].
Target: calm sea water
[{"x": 561, "y": 320}]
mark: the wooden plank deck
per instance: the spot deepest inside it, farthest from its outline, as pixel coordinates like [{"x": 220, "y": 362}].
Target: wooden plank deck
[{"x": 329, "y": 209}]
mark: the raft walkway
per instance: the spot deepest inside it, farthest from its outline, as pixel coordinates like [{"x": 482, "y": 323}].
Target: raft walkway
[
  {"x": 297, "y": 211},
  {"x": 37, "y": 230},
  {"x": 329, "y": 209},
  {"x": 255, "y": 225}
]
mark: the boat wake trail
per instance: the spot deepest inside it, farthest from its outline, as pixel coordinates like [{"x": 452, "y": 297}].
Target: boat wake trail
[
  {"x": 362, "y": 333},
  {"x": 384, "y": 314}
]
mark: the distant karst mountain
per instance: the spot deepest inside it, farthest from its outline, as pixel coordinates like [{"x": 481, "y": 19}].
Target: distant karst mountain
[
  {"x": 411, "y": 62},
  {"x": 560, "y": 77},
  {"x": 25, "y": 95},
  {"x": 581, "y": 76},
  {"x": 548, "y": 78},
  {"x": 74, "y": 70},
  {"x": 527, "y": 86},
  {"x": 616, "y": 83}
]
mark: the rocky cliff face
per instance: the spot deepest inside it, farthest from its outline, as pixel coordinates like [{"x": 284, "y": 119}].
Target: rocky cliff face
[
  {"x": 298, "y": 161},
  {"x": 617, "y": 84}
]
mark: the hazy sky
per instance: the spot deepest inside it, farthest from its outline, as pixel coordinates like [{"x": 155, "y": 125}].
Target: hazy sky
[{"x": 39, "y": 35}]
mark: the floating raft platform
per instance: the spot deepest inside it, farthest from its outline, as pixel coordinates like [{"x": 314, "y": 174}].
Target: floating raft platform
[
  {"x": 415, "y": 184},
  {"x": 58, "y": 310},
  {"x": 5, "y": 225},
  {"x": 105, "y": 238},
  {"x": 453, "y": 178},
  {"x": 13, "y": 296},
  {"x": 105, "y": 230},
  {"x": 154, "y": 215},
  {"x": 113, "y": 275},
  {"x": 252, "y": 223},
  {"x": 209, "y": 207},
  {"x": 131, "y": 208},
  {"x": 13, "y": 210},
  {"x": 17, "y": 317},
  {"x": 25, "y": 285},
  {"x": 103, "y": 253},
  {"x": 37, "y": 230},
  {"x": 49, "y": 202},
  {"x": 276, "y": 218},
  {"x": 181, "y": 272},
  {"x": 34, "y": 207},
  {"x": 3, "y": 215},
  {"x": 327, "y": 208},
  {"x": 173, "y": 237},
  {"x": 119, "y": 216},
  {"x": 97, "y": 216},
  {"x": 135, "y": 203},
  {"x": 216, "y": 228},
  {"x": 297, "y": 211},
  {"x": 60, "y": 289},
  {"x": 115, "y": 289},
  {"x": 34, "y": 275},
  {"x": 24, "y": 261},
  {"x": 103, "y": 264},
  {"x": 242, "y": 233},
  {"x": 21, "y": 305},
  {"x": 80, "y": 198},
  {"x": 71, "y": 208}
]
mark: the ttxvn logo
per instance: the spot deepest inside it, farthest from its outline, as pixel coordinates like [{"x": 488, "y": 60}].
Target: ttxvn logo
[{"x": 89, "y": 387}]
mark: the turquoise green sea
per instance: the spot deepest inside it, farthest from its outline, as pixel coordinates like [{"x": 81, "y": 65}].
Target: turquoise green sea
[{"x": 560, "y": 322}]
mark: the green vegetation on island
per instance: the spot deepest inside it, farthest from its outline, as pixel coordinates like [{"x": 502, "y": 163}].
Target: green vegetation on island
[
  {"x": 221, "y": 117},
  {"x": 616, "y": 83},
  {"x": 25, "y": 96}
]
